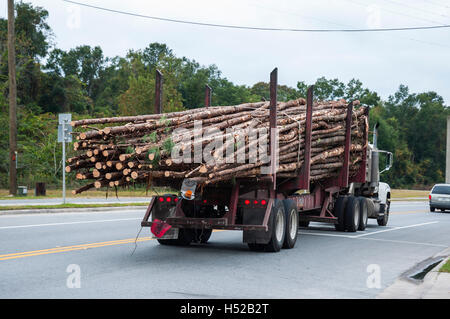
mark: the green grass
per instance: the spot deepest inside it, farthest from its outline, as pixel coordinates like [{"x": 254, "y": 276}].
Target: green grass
[
  {"x": 20, "y": 207},
  {"x": 446, "y": 267},
  {"x": 56, "y": 193},
  {"x": 407, "y": 193}
]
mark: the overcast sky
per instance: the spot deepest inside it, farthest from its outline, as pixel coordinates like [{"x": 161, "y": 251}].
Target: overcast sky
[{"x": 381, "y": 60}]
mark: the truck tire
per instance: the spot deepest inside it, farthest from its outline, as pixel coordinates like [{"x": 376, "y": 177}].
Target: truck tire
[
  {"x": 352, "y": 213},
  {"x": 185, "y": 237},
  {"x": 202, "y": 235},
  {"x": 277, "y": 229},
  {"x": 363, "y": 213},
  {"x": 291, "y": 217},
  {"x": 339, "y": 212},
  {"x": 383, "y": 220}
]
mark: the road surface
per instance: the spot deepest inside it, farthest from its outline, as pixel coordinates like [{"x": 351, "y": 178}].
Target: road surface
[{"x": 42, "y": 255}]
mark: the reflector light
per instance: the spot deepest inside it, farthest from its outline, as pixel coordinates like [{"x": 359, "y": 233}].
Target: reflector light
[
  {"x": 255, "y": 202},
  {"x": 263, "y": 202},
  {"x": 247, "y": 202},
  {"x": 176, "y": 199},
  {"x": 161, "y": 199},
  {"x": 204, "y": 201},
  {"x": 168, "y": 199}
]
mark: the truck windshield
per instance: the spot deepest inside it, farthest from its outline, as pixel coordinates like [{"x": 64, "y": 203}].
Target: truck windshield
[{"x": 441, "y": 190}]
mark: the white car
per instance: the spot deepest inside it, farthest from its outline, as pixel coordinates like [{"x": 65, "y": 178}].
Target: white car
[{"x": 440, "y": 197}]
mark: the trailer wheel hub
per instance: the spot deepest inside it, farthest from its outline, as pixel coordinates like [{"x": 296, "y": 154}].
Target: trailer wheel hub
[{"x": 279, "y": 225}]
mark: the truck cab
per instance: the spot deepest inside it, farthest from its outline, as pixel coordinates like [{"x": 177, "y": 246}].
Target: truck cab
[{"x": 378, "y": 193}]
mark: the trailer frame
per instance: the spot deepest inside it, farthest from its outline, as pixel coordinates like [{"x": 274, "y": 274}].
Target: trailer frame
[{"x": 315, "y": 204}]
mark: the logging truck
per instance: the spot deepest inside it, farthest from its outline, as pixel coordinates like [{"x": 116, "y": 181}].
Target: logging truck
[{"x": 271, "y": 209}]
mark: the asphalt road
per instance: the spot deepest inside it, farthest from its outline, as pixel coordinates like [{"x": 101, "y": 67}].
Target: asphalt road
[{"x": 37, "y": 250}]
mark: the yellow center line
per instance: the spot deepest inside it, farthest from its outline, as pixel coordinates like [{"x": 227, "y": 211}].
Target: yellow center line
[
  {"x": 75, "y": 247},
  {"x": 71, "y": 248}
]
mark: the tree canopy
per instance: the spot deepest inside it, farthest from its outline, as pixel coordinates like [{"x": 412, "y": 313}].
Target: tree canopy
[{"x": 84, "y": 82}]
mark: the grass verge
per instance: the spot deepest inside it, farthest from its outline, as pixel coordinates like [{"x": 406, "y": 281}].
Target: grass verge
[
  {"x": 408, "y": 193},
  {"x": 55, "y": 193},
  {"x": 21, "y": 207},
  {"x": 446, "y": 267}
]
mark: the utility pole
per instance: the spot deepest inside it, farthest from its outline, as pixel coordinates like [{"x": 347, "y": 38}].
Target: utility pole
[{"x": 12, "y": 100}]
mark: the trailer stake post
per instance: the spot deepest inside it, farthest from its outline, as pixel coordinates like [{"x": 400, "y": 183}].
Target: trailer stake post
[
  {"x": 273, "y": 125},
  {"x": 343, "y": 177},
  {"x": 158, "y": 92},
  {"x": 305, "y": 175}
]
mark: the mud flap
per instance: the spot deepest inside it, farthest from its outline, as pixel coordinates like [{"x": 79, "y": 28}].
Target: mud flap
[
  {"x": 159, "y": 228},
  {"x": 159, "y": 215},
  {"x": 255, "y": 216}
]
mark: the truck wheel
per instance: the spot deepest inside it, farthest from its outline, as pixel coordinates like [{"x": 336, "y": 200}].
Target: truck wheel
[
  {"x": 383, "y": 220},
  {"x": 185, "y": 237},
  {"x": 277, "y": 230},
  {"x": 202, "y": 235},
  {"x": 352, "y": 214},
  {"x": 339, "y": 212},
  {"x": 291, "y": 217},
  {"x": 363, "y": 212}
]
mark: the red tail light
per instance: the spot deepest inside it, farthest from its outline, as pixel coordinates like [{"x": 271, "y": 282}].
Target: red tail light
[
  {"x": 247, "y": 202},
  {"x": 204, "y": 201},
  {"x": 429, "y": 196},
  {"x": 255, "y": 202},
  {"x": 263, "y": 202},
  {"x": 168, "y": 199},
  {"x": 161, "y": 199},
  {"x": 176, "y": 199}
]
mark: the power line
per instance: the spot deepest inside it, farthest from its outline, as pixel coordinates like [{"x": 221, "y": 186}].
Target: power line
[
  {"x": 396, "y": 12},
  {"x": 437, "y": 4},
  {"x": 257, "y": 28},
  {"x": 417, "y": 9},
  {"x": 294, "y": 13}
]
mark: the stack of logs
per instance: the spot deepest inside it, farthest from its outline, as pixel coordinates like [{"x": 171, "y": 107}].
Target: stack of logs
[{"x": 120, "y": 151}]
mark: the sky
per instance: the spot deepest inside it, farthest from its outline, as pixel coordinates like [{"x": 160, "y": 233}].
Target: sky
[{"x": 381, "y": 60}]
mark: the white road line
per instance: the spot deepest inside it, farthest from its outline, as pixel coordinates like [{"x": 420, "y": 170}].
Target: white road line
[
  {"x": 326, "y": 235},
  {"x": 395, "y": 228},
  {"x": 69, "y": 223},
  {"x": 367, "y": 234},
  {"x": 405, "y": 242},
  {"x": 376, "y": 239}
]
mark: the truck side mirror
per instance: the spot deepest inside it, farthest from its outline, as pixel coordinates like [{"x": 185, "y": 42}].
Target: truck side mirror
[{"x": 389, "y": 161}]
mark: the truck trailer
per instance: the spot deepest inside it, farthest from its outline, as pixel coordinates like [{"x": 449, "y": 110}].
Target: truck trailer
[{"x": 271, "y": 210}]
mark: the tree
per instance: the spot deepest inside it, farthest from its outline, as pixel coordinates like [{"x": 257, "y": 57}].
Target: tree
[
  {"x": 284, "y": 92},
  {"x": 334, "y": 89}
]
